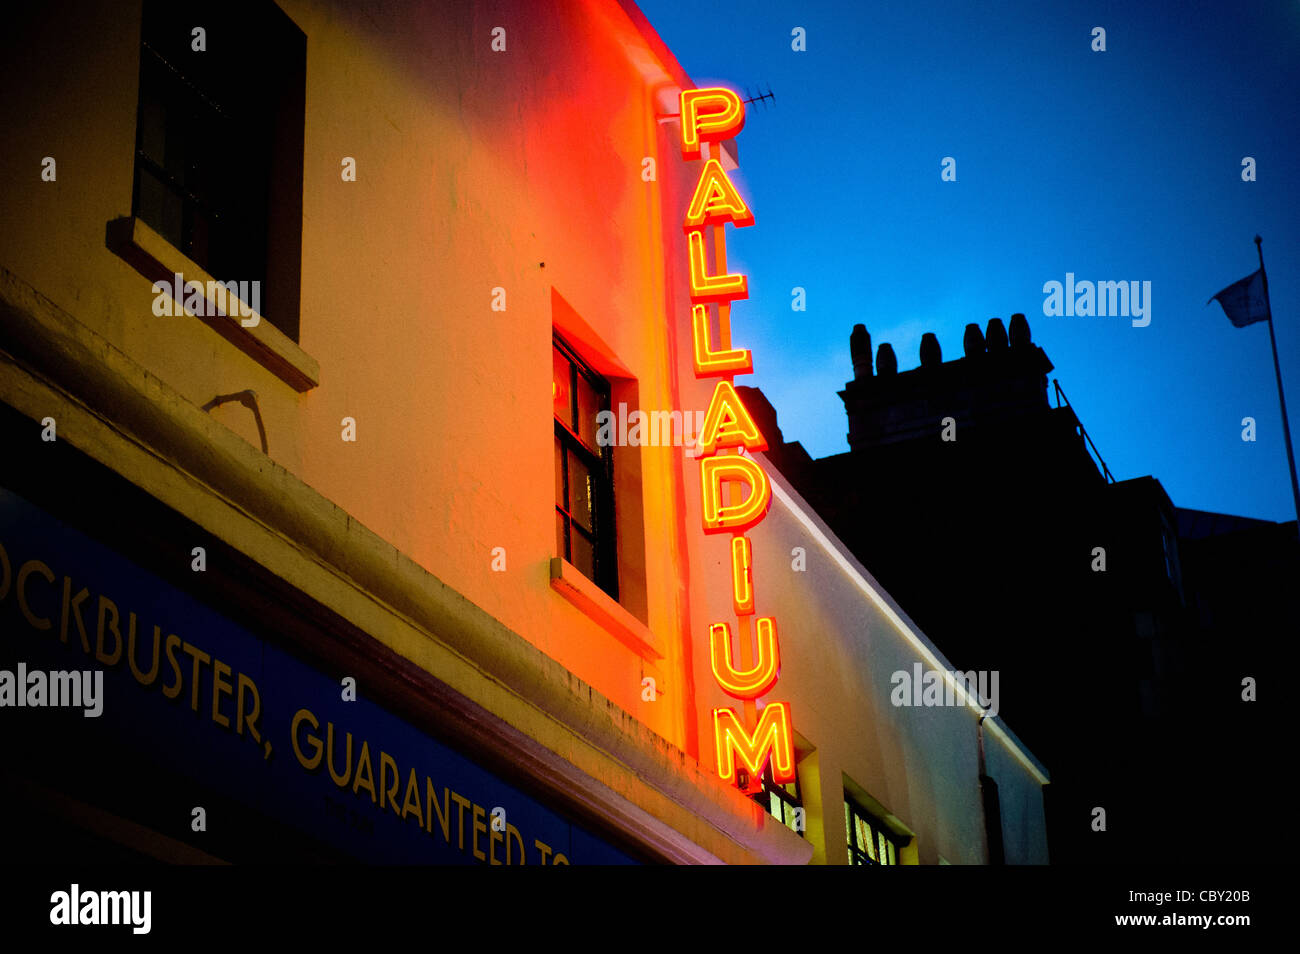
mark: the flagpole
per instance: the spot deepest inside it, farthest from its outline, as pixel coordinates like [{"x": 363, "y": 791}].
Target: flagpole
[{"x": 1277, "y": 369}]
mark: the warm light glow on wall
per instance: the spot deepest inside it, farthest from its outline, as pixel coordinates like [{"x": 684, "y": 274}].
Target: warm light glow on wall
[
  {"x": 752, "y": 682},
  {"x": 716, "y": 200},
  {"x": 772, "y": 736},
  {"x": 709, "y": 115}
]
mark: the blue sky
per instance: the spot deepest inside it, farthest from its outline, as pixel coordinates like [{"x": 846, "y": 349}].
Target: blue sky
[{"x": 1115, "y": 165}]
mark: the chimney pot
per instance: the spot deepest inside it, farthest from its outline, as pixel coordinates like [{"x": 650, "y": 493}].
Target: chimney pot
[
  {"x": 886, "y": 361},
  {"x": 860, "y": 351},
  {"x": 996, "y": 336},
  {"x": 1019, "y": 331},
  {"x": 931, "y": 356}
]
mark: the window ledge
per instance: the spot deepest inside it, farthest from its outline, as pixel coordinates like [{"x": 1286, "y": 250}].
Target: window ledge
[
  {"x": 158, "y": 260},
  {"x": 569, "y": 581}
]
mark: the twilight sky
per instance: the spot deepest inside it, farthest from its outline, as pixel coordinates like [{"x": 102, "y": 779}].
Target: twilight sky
[{"x": 1116, "y": 165}]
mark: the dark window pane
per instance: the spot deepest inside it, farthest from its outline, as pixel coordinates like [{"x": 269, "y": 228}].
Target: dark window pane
[
  {"x": 581, "y": 493},
  {"x": 161, "y": 208},
  {"x": 153, "y": 126},
  {"x": 181, "y": 110},
  {"x": 559, "y": 476},
  {"x": 589, "y": 403},
  {"x": 583, "y": 554},
  {"x": 199, "y": 238},
  {"x": 561, "y": 372},
  {"x": 561, "y": 525}
]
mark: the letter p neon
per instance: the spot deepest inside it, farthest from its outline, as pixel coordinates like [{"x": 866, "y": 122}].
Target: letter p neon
[{"x": 709, "y": 115}]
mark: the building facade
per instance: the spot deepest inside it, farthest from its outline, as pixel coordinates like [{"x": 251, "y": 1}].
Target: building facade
[
  {"x": 348, "y": 591},
  {"x": 1130, "y": 634}
]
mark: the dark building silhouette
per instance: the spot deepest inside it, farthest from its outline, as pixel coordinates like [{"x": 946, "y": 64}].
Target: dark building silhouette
[{"x": 1122, "y": 627}]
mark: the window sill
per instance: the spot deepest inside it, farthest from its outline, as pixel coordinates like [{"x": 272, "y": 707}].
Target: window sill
[
  {"x": 158, "y": 260},
  {"x": 569, "y": 581}
]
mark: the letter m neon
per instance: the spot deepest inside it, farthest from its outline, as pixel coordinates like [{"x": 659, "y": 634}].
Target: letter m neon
[{"x": 772, "y": 738}]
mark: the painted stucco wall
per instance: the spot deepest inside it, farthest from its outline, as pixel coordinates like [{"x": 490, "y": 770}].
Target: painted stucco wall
[{"x": 477, "y": 170}]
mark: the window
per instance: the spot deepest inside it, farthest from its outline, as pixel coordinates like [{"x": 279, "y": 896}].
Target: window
[
  {"x": 781, "y": 800},
  {"x": 870, "y": 842},
  {"x": 584, "y": 481},
  {"x": 219, "y": 144}
]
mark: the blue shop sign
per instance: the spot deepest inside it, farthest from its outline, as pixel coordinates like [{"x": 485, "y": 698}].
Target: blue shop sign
[{"x": 182, "y": 685}]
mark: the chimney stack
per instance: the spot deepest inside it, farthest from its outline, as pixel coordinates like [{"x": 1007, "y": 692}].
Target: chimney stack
[
  {"x": 1019, "y": 332},
  {"x": 931, "y": 356},
  {"x": 886, "y": 361},
  {"x": 860, "y": 351},
  {"x": 996, "y": 337}
]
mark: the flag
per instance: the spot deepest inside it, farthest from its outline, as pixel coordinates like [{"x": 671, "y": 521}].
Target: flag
[{"x": 1243, "y": 302}]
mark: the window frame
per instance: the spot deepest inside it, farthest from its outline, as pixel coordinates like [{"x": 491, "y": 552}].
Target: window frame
[
  {"x": 857, "y": 855},
  {"x": 599, "y": 462},
  {"x": 152, "y": 59},
  {"x": 236, "y": 221},
  {"x": 781, "y": 791}
]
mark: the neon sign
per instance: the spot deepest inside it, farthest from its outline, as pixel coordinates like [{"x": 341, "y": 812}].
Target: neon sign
[
  {"x": 716, "y": 200},
  {"x": 705, "y": 287},
  {"x": 735, "y": 491},
  {"x": 709, "y": 362}
]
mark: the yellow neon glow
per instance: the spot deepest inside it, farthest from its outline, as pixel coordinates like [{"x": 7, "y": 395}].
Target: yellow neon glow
[
  {"x": 751, "y": 683},
  {"x": 710, "y": 363},
  {"x": 742, "y": 582},
  {"x": 706, "y": 287},
  {"x": 709, "y": 115},
  {"x": 735, "y": 517},
  {"x": 772, "y": 737},
  {"x": 728, "y": 423},
  {"x": 716, "y": 200}
]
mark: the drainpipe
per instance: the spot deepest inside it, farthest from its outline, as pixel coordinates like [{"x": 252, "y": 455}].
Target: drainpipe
[{"x": 991, "y": 803}]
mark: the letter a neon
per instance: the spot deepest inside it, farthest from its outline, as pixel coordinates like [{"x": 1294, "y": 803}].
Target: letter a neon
[
  {"x": 716, "y": 200},
  {"x": 728, "y": 423}
]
